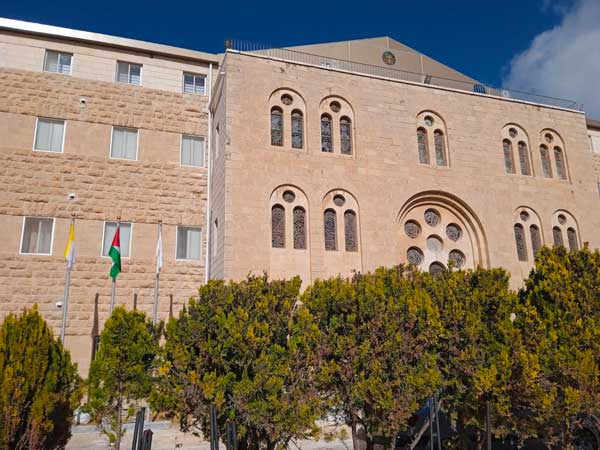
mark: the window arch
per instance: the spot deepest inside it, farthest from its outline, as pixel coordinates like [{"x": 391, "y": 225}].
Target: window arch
[
  {"x": 536, "y": 239},
  {"x": 330, "y": 229},
  {"x": 297, "y": 129},
  {"x": 423, "y": 145},
  {"x": 556, "y": 156},
  {"x": 326, "y": 134},
  {"x": 337, "y": 117},
  {"x": 557, "y": 236},
  {"x": 513, "y": 136},
  {"x": 299, "y": 228},
  {"x": 520, "y": 242},
  {"x": 346, "y": 135},
  {"x": 572, "y": 239},
  {"x": 546, "y": 164},
  {"x": 431, "y": 128},
  {"x": 509, "y": 159},
  {"x": 287, "y": 112},
  {"x": 526, "y": 220},
  {"x": 350, "y": 230},
  {"x": 278, "y": 226},
  {"x": 564, "y": 224},
  {"x": 559, "y": 160},
  {"x": 276, "y": 126}
]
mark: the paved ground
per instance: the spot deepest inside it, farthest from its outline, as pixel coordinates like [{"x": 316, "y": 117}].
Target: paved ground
[{"x": 168, "y": 437}]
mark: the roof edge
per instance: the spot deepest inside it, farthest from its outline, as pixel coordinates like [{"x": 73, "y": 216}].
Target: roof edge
[
  {"x": 592, "y": 123},
  {"x": 105, "y": 39}
]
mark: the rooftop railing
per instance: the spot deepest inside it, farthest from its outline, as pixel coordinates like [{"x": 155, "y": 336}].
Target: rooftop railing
[{"x": 395, "y": 74}]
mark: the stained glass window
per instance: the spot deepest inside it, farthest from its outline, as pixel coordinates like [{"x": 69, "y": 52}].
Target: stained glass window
[
  {"x": 509, "y": 162},
  {"x": 536, "y": 239},
  {"x": 545, "y": 156},
  {"x": 423, "y": 146},
  {"x": 557, "y": 236},
  {"x": 330, "y": 224},
  {"x": 346, "y": 135},
  {"x": 278, "y": 226},
  {"x": 350, "y": 231},
  {"x": 440, "y": 148},
  {"x": 559, "y": 159},
  {"x": 520, "y": 241},
  {"x": 297, "y": 129},
  {"x": 524, "y": 159},
  {"x": 276, "y": 126},
  {"x": 299, "y": 228},
  {"x": 326, "y": 134},
  {"x": 572, "y": 238}
]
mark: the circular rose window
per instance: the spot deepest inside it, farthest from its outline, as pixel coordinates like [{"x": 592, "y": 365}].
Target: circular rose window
[{"x": 389, "y": 58}]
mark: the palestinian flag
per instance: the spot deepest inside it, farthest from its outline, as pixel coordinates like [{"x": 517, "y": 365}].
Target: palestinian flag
[{"x": 115, "y": 254}]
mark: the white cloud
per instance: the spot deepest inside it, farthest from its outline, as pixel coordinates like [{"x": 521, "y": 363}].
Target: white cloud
[{"x": 565, "y": 60}]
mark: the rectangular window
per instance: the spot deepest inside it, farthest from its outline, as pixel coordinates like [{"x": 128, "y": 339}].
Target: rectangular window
[
  {"x": 37, "y": 236},
  {"x": 189, "y": 243},
  {"x": 49, "y": 134},
  {"x": 194, "y": 84},
  {"x": 129, "y": 73},
  {"x": 110, "y": 229},
  {"x": 58, "y": 62},
  {"x": 192, "y": 151},
  {"x": 124, "y": 143}
]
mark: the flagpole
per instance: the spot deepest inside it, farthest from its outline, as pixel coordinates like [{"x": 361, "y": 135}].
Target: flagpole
[
  {"x": 114, "y": 280},
  {"x": 67, "y": 284},
  {"x": 157, "y": 281}
]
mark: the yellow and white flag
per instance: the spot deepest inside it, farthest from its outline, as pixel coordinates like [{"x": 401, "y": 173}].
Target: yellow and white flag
[{"x": 70, "y": 250}]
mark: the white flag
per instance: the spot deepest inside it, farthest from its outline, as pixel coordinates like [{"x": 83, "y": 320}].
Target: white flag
[{"x": 159, "y": 256}]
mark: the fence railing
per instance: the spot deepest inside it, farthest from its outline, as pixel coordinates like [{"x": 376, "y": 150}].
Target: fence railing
[{"x": 402, "y": 75}]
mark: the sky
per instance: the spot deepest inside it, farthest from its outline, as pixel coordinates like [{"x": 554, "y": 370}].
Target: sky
[{"x": 550, "y": 47}]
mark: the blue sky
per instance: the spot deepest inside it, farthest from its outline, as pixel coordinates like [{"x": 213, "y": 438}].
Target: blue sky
[{"x": 480, "y": 38}]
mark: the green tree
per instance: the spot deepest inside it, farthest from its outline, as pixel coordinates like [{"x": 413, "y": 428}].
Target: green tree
[
  {"x": 122, "y": 372},
  {"x": 39, "y": 385},
  {"x": 376, "y": 348},
  {"x": 482, "y": 356},
  {"x": 563, "y": 291},
  {"x": 244, "y": 348}
]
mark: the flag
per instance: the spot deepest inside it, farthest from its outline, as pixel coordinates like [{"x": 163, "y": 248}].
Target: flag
[
  {"x": 115, "y": 254},
  {"x": 159, "y": 256},
  {"x": 70, "y": 249}
]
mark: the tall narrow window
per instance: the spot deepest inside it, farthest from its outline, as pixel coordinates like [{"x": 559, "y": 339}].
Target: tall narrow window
[
  {"x": 49, "y": 135},
  {"x": 509, "y": 160},
  {"x": 346, "y": 135},
  {"x": 572, "y": 238},
  {"x": 557, "y": 236},
  {"x": 440, "y": 148},
  {"x": 326, "y": 134},
  {"x": 559, "y": 159},
  {"x": 37, "y": 236},
  {"x": 189, "y": 243},
  {"x": 536, "y": 239},
  {"x": 330, "y": 224},
  {"x": 297, "y": 129},
  {"x": 350, "y": 231},
  {"x": 524, "y": 158},
  {"x": 423, "y": 146},
  {"x": 545, "y": 156},
  {"x": 278, "y": 226},
  {"x": 299, "y": 228},
  {"x": 520, "y": 241},
  {"x": 276, "y": 126}
]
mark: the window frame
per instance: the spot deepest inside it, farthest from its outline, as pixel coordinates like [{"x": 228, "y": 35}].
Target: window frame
[
  {"x": 182, "y": 135},
  {"x": 104, "y": 233},
  {"x": 23, "y": 235},
  {"x": 137, "y": 143},
  {"x": 193, "y": 74},
  {"x": 177, "y": 242},
  {"x": 129, "y": 73},
  {"x": 35, "y": 132},
  {"x": 59, "y": 53}
]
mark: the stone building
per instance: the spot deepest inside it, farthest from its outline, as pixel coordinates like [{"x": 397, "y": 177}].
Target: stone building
[{"x": 317, "y": 160}]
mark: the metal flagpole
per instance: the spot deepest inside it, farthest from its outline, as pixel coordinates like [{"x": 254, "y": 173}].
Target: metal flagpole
[
  {"x": 158, "y": 267},
  {"x": 67, "y": 284},
  {"x": 114, "y": 280}
]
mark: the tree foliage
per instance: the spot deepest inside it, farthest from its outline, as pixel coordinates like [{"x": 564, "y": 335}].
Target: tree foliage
[
  {"x": 39, "y": 385},
  {"x": 376, "y": 348},
  {"x": 122, "y": 372},
  {"x": 244, "y": 348}
]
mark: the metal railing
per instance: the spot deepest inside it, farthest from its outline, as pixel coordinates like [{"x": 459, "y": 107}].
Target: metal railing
[{"x": 395, "y": 74}]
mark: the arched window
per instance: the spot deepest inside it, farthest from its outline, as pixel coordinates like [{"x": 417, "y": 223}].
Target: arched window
[
  {"x": 557, "y": 236},
  {"x": 560, "y": 163},
  {"x": 297, "y": 129},
  {"x": 326, "y": 134},
  {"x": 572, "y": 238},
  {"x": 545, "y": 156},
  {"x": 299, "y": 228},
  {"x": 509, "y": 160},
  {"x": 350, "y": 230},
  {"x": 520, "y": 241},
  {"x": 276, "y": 126},
  {"x": 440, "y": 148},
  {"x": 277, "y": 226},
  {"x": 346, "y": 135},
  {"x": 423, "y": 146},
  {"x": 536, "y": 239},
  {"x": 330, "y": 223},
  {"x": 524, "y": 158}
]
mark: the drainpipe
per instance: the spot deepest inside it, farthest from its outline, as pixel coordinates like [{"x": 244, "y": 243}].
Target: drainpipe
[{"x": 209, "y": 181}]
